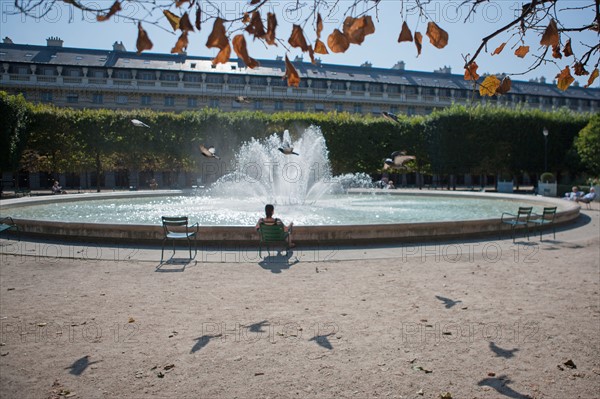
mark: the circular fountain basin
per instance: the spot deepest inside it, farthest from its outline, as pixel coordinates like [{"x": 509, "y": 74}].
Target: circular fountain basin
[{"x": 361, "y": 216}]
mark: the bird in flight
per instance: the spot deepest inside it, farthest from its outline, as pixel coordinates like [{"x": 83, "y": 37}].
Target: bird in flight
[
  {"x": 242, "y": 100},
  {"x": 138, "y": 123},
  {"x": 390, "y": 116},
  {"x": 208, "y": 151},
  {"x": 287, "y": 150},
  {"x": 398, "y": 159}
]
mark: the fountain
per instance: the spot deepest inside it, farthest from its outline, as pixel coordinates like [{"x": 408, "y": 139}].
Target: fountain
[{"x": 303, "y": 190}]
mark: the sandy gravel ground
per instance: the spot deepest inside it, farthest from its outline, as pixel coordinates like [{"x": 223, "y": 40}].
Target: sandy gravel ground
[{"x": 460, "y": 320}]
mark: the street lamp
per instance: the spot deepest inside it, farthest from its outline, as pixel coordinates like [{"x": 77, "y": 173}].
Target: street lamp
[{"x": 545, "y": 132}]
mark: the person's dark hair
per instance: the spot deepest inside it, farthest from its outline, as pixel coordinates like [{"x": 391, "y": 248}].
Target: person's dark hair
[{"x": 269, "y": 209}]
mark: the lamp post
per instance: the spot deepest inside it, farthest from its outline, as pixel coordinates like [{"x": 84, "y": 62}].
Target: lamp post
[{"x": 545, "y": 132}]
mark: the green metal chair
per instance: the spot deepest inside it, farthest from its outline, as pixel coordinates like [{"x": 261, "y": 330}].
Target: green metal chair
[
  {"x": 7, "y": 224},
  {"x": 546, "y": 218},
  {"x": 520, "y": 219},
  {"x": 273, "y": 234},
  {"x": 177, "y": 228}
]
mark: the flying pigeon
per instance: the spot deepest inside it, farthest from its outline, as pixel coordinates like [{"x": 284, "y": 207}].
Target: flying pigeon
[
  {"x": 390, "y": 116},
  {"x": 242, "y": 100},
  {"x": 287, "y": 150},
  {"x": 398, "y": 158},
  {"x": 138, "y": 123},
  {"x": 208, "y": 151}
]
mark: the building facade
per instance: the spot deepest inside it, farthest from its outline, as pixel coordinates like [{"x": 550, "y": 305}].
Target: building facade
[{"x": 118, "y": 79}]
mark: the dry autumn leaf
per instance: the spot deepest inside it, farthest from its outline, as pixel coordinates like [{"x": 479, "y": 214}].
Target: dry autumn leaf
[
  {"x": 293, "y": 79},
  {"x": 218, "y": 39},
  {"x": 471, "y": 71},
  {"x": 184, "y": 23},
  {"x": 198, "y": 17},
  {"x": 499, "y": 49},
  {"x": 143, "y": 41},
  {"x": 567, "y": 51},
  {"x": 437, "y": 36},
  {"x": 504, "y": 86},
  {"x": 489, "y": 86},
  {"x": 182, "y": 43},
  {"x": 223, "y": 55},
  {"x": 550, "y": 36},
  {"x": 522, "y": 51},
  {"x": 564, "y": 79},
  {"x": 239, "y": 46},
  {"x": 592, "y": 78},
  {"x": 356, "y": 29},
  {"x": 271, "y": 25},
  {"x": 179, "y": 3},
  {"x": 320, "y": 47},
  {"x": 115, "y": 8},
  {"x": 556, "y": 52},
  {"x": 405, "y": 34},
  {"x": 579, "y": 69},
  {"x": 337, "y": 42},
  {"x": 319, "y": 26},
  {"x": 297, "y": 38},
  {"x": 246, "y": 18},
  {"x": 172, "y": 18},
  {"x": 256, "y": 26},
  {"x": 418, "y": 42}
]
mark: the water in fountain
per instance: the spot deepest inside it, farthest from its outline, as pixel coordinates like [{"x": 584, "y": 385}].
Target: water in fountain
[{"x": 264, "y": 173}]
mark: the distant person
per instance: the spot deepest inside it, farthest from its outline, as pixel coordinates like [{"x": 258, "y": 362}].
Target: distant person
[
  {"x": 573, "y": 195},
  {"x": 390, "y": 185},
  {"x": 57, "y": 189},
  {"x": 589, "y": 197},
  {"x": 153, "y": 184},
  {"x": 270, "y": 220}
]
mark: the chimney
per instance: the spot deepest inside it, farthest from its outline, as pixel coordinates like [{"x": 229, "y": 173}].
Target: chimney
[
  {"x": 54, "y": 41},
  {"x": 445, "y": 69},
  {"x": 7, "y": 40},
  {"x": 366, "y": 64},
  {"x": 299, "y": 58},
  {"x": 399, "y": 66},
  {"x": 542, "y": 80},
  {"x": 118, "y": 46}
]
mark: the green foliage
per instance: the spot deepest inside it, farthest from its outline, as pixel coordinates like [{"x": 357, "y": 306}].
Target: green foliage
[
  {"x": 459, "y": 139},
  {"x": 588, "y": 145},
  {"x": 15, "y": 111}
]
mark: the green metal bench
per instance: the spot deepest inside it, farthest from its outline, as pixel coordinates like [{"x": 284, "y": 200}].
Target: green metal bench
[
  {"x": 273, "y": 234},
  {"x": 7, "y": 224}
]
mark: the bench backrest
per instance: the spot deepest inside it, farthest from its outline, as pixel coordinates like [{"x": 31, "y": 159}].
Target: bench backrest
[{"x": 272, "y": 232}]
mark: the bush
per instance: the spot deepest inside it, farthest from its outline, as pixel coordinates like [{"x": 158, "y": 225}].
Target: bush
[{"x": 547, "y": 178}]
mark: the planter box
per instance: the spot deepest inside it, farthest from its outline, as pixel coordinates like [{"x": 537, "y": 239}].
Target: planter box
[
  {"x": 547, "y": 189},
  {"x": 505, "y": 186}
]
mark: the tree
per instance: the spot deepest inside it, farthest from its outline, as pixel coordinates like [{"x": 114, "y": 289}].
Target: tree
[
  {"x": 15, "y": 111},
  {"x": 547, "y": 19},
  {"x": 588, "y": 145}
]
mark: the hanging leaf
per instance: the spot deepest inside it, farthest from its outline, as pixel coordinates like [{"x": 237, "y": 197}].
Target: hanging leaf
[
  {"x": 271, "y": 25},
  {"x": 115, "y": 8},
  {"x": 297, "y": 38},
  {"x": 182, "y": 43},
  {"x": 489, "y": 86},
  {"x": 556, "y": 52},
  {"x": 319, "y": 26},
  {"x": 504, "y": 86},
  {"x": 143, "y": 41},
  {"x": 198, "y": 17},
  {"x": 564, "y": 79},
  {"x": 522, "y": 51},
  {"x": 471, "y": 71},
  {"x": 239, "y": 46},
  {"x": 253, "y": 2},
  {"x": 246, "y": 18},
  {"x": 320, "y": 47},
  {"x": 567, "y": 51},
  {"x": 256, "y": 26},
  {"x": 418, "y": 42},
  {"x": 293, "y": 79},
  {"x": 405, "y": 34},
  {"x": 579, "y": 69},
  {"x": 355, "y": 29},
  {"x": 172, "y": 18},
  {"x": 179, "y": 3},
  {"x": 223, "y": 55},
  {"x": 499, "y": 49},
  {"x": 550, "y": 36},
  {"x": 337, "y": 42},
  {"x": 437, "y": 36},
  {"x": 592, "y": 78},
  {"x": 184, "y": 23}
]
